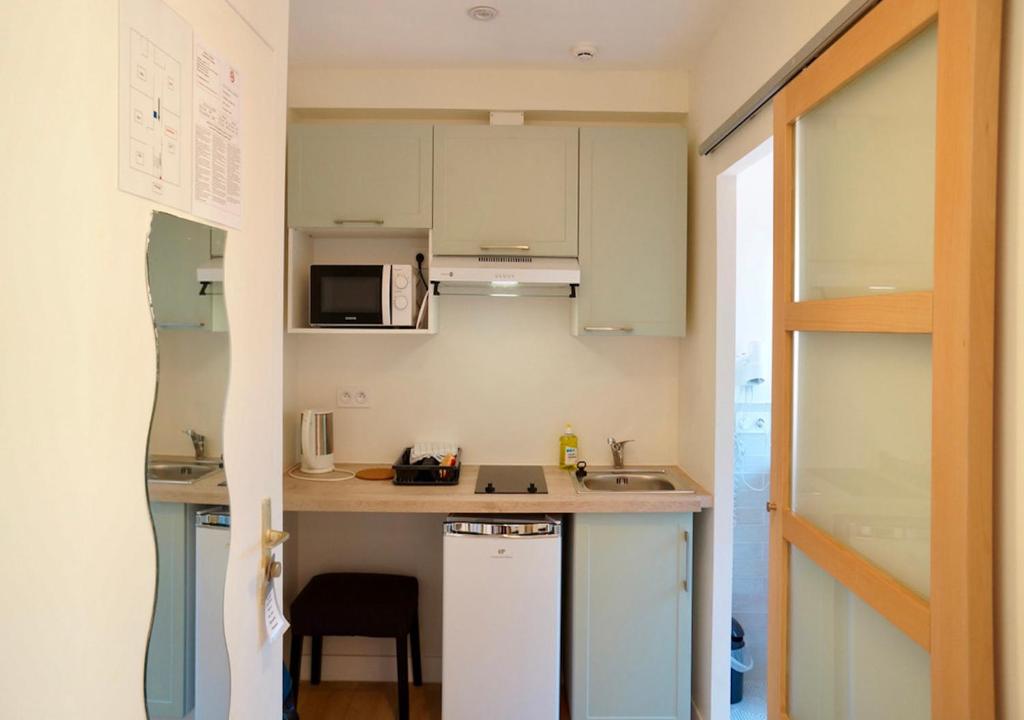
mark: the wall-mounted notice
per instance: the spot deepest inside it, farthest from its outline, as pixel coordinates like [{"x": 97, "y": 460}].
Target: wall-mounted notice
[
  {"x": 155, "y": 103},
  {"x": 217, "y": 155}
]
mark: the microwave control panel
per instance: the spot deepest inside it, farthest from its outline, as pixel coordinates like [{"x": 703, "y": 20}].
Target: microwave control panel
[{"x": 402, "y": 299}]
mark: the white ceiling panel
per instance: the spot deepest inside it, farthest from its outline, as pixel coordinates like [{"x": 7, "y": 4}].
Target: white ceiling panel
[{"x": 629, "y": 34}]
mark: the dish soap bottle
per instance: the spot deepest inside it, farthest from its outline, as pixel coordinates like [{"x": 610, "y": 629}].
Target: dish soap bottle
[{"x": 568, "y": 449}]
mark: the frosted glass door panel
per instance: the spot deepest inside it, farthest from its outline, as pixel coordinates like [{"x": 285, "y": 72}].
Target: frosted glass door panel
[
  {"x": 846, "y": 661},
  {"x": 862, "y": 446},
  {"x": 865, "y": 190}
]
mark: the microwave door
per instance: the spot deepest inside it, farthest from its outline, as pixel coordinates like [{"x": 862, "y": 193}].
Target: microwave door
[
  {"x": 385, "y": 295},
  {"x": 347, "y": 296}
]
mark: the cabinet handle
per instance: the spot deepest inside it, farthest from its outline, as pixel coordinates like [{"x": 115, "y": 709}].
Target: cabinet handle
[
  {"x": 522, "y": 248},
  {"x": 374, "y": 221},
  {"x": 180, "y": 325},
  {"x": 686, "y": 561},
  {"x": 608, "y": 328}
]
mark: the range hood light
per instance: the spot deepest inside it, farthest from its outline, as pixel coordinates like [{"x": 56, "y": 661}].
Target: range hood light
[
  {"x": 503, "y": 295},
  {"x": 504, "y": 283}
]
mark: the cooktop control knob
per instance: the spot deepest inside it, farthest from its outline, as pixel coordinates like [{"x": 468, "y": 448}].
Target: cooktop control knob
[
  {"x": 532, "y": 488},
  {"x": 401, "y": 281},
  {"x": 490, "y": 488},
  {"x": 401, "y": 302}
]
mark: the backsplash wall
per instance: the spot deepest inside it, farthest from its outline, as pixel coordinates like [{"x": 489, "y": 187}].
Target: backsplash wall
[
  {"x": 501, "y": 378},
  {"x": 193, "y": 378}
]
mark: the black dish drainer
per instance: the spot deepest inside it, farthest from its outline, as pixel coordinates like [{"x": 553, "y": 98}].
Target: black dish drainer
[{"x": 407, "y": 473}]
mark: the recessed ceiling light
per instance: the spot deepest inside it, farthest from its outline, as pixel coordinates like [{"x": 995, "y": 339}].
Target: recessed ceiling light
[{"x": 483, "y": 13}]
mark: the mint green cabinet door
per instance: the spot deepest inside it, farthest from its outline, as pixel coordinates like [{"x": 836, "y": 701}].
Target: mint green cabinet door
[
  {"x": 359, "y": 175},
  {"x": 632, "y": 231},
  {"x": 505, "y": 190},
  {"x": 170, "y": 658},
  {"x": 631, "y": 607}
]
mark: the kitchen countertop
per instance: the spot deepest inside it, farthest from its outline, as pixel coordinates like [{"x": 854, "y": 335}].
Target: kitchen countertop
[{"x": 353, "y": 495}]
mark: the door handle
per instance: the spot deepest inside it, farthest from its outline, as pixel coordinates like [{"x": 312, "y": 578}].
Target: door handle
[
  {"x": 373, "y": 221},
  {"x": 269, "y": 539},
  {"x": 686, "y": 561},
  {"x": 608, "y": 328},
  {"x": 273, "y": 538}
]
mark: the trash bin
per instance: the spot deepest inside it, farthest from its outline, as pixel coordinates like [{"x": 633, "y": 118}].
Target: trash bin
[
  {"x": 741, "y": 662},
  {"x": 288, "y": 708}
]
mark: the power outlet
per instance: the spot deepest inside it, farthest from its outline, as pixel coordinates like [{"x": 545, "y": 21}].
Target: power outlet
[{"x": 354, "y": 396}]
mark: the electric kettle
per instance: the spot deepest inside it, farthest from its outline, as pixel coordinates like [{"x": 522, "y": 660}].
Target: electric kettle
[{"x": 316, "y": 440}]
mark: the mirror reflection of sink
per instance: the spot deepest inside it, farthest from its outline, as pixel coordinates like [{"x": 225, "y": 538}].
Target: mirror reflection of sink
[
  {"x": 180, "y": 472},
  {"x": 630, "y": 481}
]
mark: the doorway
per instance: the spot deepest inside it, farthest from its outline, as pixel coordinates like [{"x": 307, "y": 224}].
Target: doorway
[{"x": 744, "y": 201}]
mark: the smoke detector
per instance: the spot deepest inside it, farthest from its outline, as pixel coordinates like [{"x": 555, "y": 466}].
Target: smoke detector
[
  {"x": 483, "y": 13},
  {"x": 584, "y": 52}
]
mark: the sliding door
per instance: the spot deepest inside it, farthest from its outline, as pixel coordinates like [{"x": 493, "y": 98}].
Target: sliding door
[{"x": 881, "y": 542}]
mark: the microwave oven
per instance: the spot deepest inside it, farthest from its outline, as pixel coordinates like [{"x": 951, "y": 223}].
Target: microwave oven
[{"x": 361, "y": 296}]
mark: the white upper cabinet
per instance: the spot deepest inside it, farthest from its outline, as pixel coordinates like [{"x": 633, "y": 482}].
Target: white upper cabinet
[
  {"x": 506, "y": 190},
  {"x": 342, "y": 175},
  {"x": 632, "y": 231}
]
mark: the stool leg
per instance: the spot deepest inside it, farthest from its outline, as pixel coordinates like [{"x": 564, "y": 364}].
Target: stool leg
[
  {"x": 402, "y": 656},
  {"x": 317, "y": 660},
  {"x": 295, "y": 666},
  {"x": 414, "y": 646}
]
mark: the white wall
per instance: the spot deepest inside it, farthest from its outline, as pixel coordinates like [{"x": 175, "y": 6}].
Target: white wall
[
  {"x": 755, "y": 39},
  {"x": 194, "y": 374},
  {"x": 502, "y": 377},
  {"x": 78, "y": 362},
  {"x": 753, "y": 268},
  {"x": 488, "y": 89}
]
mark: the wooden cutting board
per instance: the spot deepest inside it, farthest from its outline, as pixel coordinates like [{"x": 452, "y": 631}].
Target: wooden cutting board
[{"x": 376, "y": 473}]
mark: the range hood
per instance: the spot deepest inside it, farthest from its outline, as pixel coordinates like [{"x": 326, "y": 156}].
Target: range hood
[
  {"x": 208, "y": 273},
  {"x": 504, "y": 275}
]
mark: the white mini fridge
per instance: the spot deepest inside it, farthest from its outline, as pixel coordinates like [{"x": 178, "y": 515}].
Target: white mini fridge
[{"x": 502, "y": 610}]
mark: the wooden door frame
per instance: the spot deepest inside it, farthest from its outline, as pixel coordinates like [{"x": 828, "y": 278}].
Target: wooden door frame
[{"x": 955, "y": 624}]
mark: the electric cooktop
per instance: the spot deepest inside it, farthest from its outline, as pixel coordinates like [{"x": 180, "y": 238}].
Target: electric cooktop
[{"x": 511, "y": 479}]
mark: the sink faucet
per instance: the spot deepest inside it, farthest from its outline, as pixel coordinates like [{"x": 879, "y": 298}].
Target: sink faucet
[
  {"x": 198, "y": 443},
  {"x": 618, "y": 451}
]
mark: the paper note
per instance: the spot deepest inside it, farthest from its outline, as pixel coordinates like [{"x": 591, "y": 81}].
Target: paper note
[
  {"x": 217, "y": 147},
  {"x": 154, "y": 103},
  {"x": 272, "y": 615}
]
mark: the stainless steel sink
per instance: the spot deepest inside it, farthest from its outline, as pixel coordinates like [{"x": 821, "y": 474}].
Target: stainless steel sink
[
  {"x": 630, "y": 481},
  {"x": 180, "y": 472}
]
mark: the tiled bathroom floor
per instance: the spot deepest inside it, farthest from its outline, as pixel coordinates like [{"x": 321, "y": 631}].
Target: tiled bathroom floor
[{"x": 753, "y": 706}]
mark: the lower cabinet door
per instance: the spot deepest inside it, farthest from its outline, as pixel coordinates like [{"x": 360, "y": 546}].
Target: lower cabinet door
[
  {"x": 631, "y": 603},
  {"x": 170, "y": 659}
]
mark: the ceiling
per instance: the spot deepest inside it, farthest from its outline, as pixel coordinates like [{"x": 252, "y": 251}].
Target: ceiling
[{"x": 629, "y": 34}]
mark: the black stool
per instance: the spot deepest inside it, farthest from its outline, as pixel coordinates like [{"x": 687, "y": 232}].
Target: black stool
[{"x": 365, "y": 604}]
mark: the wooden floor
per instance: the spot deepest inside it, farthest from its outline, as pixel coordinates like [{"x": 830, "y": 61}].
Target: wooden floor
[{"x": 371, "y": 701}]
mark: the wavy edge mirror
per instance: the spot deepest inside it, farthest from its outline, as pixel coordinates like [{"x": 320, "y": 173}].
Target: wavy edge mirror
[{"x": 188, "y": 671}]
